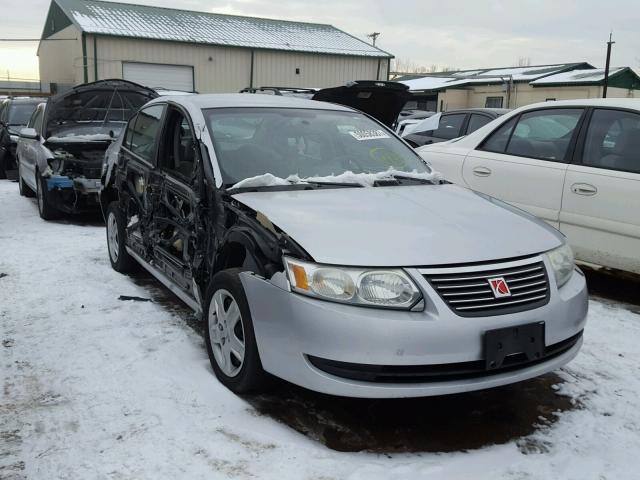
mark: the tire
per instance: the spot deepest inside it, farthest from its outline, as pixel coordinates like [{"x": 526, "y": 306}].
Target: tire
[
  {"x": 239, "y": 376},
  {"x": 25, "y": 190},
  {"x": 120, "y": 259},
  {"x": 3, "y": 166},
  {"x": 45, "y": 209}
]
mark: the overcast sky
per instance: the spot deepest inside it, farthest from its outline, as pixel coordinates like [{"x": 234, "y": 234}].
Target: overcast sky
[{"x": 460, "y": 33}]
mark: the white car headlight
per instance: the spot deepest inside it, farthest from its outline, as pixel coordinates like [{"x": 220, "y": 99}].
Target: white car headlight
[
  {"x": 562, "y": 263},
  {"x": 387, "y": 288}
]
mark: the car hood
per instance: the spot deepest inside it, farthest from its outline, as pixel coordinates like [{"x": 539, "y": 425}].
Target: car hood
[
  {"x": 403, "y": 226},
  {"x": 382, "y": 100},
  {"x": 80, "y": 113}
]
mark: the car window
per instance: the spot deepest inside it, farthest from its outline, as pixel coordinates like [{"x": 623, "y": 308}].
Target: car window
[
  {"x": 19, "y": 113},
  {"x": 476, "y": 121},
  {"x": 497, "y": 141},
  {"x": 36, "y": 120},
  {"x": 449, "y": 126},
  {"x": 544, "y": 134},
  {"x": 145, "y": 132},
  {"x": 613, "y": 141},
  {"x": 179, "y": 151}
]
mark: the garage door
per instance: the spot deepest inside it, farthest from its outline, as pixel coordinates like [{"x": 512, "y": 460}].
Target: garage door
[{"x": 155, "y": 75}]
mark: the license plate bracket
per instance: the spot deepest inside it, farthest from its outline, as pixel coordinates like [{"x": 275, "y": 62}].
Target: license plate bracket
[{"x": 500, "y": 343}]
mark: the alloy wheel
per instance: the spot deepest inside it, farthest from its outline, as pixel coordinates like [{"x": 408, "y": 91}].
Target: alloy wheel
[
  {"x": 226, "y": 332},
  {"x": 112, "y": 236}
]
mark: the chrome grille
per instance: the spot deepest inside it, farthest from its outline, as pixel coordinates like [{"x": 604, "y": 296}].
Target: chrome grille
[{"x": 467, "y": 291}]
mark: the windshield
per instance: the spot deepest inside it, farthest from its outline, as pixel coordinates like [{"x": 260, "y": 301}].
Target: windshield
[
  {"x": 20, "y": 113},
  {"x": 250, "y": 142}
]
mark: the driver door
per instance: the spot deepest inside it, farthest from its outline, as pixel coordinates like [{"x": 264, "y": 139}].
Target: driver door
[{"x": 178, "y": 249}]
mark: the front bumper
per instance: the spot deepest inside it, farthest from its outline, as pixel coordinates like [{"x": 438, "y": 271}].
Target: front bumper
[
  {"x": 294, "y": 331},
  {"x": 73, "y": 195}
]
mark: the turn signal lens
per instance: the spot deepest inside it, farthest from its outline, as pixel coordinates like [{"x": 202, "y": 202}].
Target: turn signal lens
[{"x": 300, "y": 276}]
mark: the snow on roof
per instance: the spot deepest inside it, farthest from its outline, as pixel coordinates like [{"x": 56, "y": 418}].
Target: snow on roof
[
  {"x": 578, "y": 76},
  {"x": 142, "y": 21},
  {"x": 492, "y": 75}
]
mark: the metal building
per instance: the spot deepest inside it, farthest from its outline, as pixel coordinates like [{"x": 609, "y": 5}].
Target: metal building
[{"x": 87, "y": 40}]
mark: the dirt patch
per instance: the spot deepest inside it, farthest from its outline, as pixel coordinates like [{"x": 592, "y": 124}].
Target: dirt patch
[{"x": 434, "y": 424}]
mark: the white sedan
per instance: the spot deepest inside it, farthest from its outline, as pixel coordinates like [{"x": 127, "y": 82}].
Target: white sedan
[{"x": 575, "y": 164}]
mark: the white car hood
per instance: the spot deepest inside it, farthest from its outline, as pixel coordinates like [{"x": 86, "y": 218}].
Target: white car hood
[{"x": 402, "y": 226}]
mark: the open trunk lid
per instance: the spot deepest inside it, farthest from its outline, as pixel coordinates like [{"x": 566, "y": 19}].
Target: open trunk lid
[{"x": 382, "y": 100}]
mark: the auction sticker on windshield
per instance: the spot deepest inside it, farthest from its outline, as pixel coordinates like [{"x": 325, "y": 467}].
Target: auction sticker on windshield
[{"x": 368, "y": 134}]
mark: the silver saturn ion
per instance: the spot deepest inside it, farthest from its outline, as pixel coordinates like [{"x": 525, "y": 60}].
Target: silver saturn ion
[{"x": 320, "y": 248}]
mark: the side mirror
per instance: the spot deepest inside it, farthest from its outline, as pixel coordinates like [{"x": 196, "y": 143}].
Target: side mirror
[{"x": 29, "y": 133}]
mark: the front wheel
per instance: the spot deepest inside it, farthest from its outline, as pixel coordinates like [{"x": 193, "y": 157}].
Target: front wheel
[
  {"x": 230, "y": 339},
  {"x": 45, "y": 209},
  {"x": 120, "y": 259}
]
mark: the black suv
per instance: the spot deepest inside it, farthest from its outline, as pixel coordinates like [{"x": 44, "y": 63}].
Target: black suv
[{"x": 14, "y": 116}]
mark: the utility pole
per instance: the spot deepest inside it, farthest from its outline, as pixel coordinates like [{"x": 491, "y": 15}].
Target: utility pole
[
  {"x": 374, "y": 36},
  {"x": 606, "y": 67}
]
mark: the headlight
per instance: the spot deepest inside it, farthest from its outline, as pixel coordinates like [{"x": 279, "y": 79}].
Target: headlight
[
  {"x": 561, "y": 260},
  {"x": 387, "y": 288},
  {"x": 13, "y": 138}
]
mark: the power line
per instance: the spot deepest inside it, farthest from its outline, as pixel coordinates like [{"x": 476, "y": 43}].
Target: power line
[{"x": 34, "y": 39}]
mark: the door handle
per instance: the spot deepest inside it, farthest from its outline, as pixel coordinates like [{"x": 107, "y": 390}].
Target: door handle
[
  {"x": 584, "y": 189},
  {"x": 481, "y": 171}
]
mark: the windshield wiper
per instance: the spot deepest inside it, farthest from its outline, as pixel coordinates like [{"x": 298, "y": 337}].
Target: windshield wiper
[
  {"x": 331, "y": 184},
  {"x": 423, "y": 181}
]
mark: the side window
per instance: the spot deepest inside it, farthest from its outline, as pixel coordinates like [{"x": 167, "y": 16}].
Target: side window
[
  {"x": 497, "y": 141},
  {"x": 36, "y": 120},
  {"x": 544, "y": 134},
  {"x": 476, "y": 121},
  {"x": 179, "y": 147},
  {"x": 449, "y": 126},
  {"x": 130, "y": 129},
  {"x": 613, "y": 141},
  {"x": 145, "y": 132}
]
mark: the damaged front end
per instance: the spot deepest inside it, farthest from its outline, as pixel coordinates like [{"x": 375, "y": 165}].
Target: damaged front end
[
  {"x": 79, "y": 127},
  {"x": 72, "y": 175}
]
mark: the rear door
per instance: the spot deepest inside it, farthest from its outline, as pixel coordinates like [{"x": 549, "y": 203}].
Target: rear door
[
  {"x": 601, "y": 200},
  {"x": 524, "y": 161},
  {"x": 178, "y": 219},
  {"x": 476, "y": 121},
  {"x": 142, "y": 177},
  {"x": 451, "y": 126}
]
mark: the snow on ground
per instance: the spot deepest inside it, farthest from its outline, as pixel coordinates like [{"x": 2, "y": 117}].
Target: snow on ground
[{"x": 98, "y": 388}]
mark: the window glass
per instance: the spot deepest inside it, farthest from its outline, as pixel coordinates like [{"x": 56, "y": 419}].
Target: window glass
[
  {"x": 179, "y": 148},
  {"x": 250, "y": 142},
  {"x": 613, "y": 140},
  {"x": 493, "y": 102},
  {"x": 36, "y": 120},
  {"x": 544, "y": 134},
  {"x": 498, "y": 140},
  {"x": 449, "y": 126},
  {"x": 145, "y": 132},
  {"x": 130, "y": 130},
  {"x": 477, "y": 121},
  {"x": 20, "y": 113}
]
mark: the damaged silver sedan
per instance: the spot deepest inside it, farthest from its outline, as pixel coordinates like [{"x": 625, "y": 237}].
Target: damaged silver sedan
[
  {"x": 320, "y": 248},
  {"x": 61, "y": 151}
]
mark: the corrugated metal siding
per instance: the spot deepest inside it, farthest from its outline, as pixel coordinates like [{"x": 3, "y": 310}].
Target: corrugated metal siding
[
  {"x": 227, "y": 71},
  {"x": 61, "y": 61},
  {"x": 279, "y": 69}
]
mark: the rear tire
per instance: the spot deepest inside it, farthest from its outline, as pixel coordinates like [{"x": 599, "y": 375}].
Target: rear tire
[
  {"x": 229, "y": 335},
  {"x": 25, "y": 190},
  {"x": 46, "y": 210},
  {"x": 120, "y": 259}
]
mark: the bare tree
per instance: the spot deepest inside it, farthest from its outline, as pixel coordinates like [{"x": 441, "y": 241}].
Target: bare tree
[{"x": 400, "y": 65}]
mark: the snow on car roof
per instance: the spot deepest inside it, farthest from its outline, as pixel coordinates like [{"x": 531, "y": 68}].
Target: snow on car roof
[
  {"x": 230, "y": 100},
  {"x": 158, "y": 23}
]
